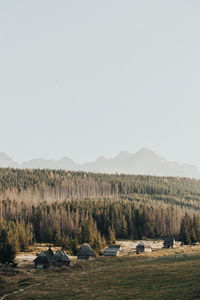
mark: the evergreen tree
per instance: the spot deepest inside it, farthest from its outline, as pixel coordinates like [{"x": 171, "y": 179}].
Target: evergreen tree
[
  {"x": 66, "y": 244},
  {"x": 74, "y": 246},
  {"x": 186, "y": 237},
  {"x": 7, "y": 251},
  {"x": 103, "y": 242},
  {"x": 196, "y": 225},
  {"x": 57, "y": 236},
  {"x": 88, "y": 232},
  {"x": 193, "y": 236},
  {"x": 124, "y": 229},
  {"x": 111, "y": 236},
  {"x": 97, "y": 245},
  {"x": 184, "y": 231}
]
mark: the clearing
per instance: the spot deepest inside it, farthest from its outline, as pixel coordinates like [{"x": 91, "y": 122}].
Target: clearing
[{"x": 162, "y": 274}]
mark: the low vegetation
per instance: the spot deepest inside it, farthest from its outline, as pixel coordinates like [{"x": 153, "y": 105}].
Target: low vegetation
[{"x": 146, "y": 276}]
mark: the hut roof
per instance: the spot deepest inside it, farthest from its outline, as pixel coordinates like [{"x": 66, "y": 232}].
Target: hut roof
[
  {"x": 114, "y": 247},
  {"x": 110, "y": 251},
  {"x": 61, "y": 256},
  {"x": 86, "y": 250},
  {"x": 143, "y": 244},
  {"x": 169, "y": 240},
  {"x": 44, "y": 257}
]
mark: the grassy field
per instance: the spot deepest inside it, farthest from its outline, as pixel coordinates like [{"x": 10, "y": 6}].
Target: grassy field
[{"x": 135, "y": 277}]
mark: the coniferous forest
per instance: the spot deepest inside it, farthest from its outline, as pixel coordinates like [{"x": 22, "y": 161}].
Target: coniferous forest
[{"x": 67, "y": 208}]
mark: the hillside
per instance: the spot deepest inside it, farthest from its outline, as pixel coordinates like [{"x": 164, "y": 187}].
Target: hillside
[
  {"x": 59, "y": 185},
  {"x": 68, "y": 208},
  {"x": 144, "y": 277}
]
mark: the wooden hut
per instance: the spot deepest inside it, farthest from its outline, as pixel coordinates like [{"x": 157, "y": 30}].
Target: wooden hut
[
  {"x": 112, "y": 250},
  {"x": 143, "y": 247},
  {"x": 169, "y": 243},
  {"x": 45, "y": 260},
  {"x": 61, "y": 259},
  {"x": 86, "y": 252}
]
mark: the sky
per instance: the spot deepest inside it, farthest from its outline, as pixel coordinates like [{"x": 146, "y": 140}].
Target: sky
[{"x": 89, "y": 78}]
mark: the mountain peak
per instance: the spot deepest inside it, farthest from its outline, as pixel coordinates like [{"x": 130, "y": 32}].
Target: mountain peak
[
  {"x": 6, "y": 161},
  {"x": 123, "y": 155},
  {"x": 145, "y": 151},
  {"x": 143, "y": 162}
]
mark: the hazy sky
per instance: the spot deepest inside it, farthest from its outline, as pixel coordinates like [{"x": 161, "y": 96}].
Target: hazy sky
[{"x": 89, "y": 78}]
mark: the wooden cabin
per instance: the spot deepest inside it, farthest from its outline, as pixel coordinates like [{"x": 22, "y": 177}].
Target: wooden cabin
[
  {"x": 143, "y": 247},
  {"x": 86, "y": 252},
  {"x": 112, "y": 250},
  {"x": 61, "y": 259},
  {"x": 169, "y": 243},
  {"x": 45, "y": 260}
]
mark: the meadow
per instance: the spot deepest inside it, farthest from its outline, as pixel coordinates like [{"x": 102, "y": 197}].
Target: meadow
[{"x": 162, "y": 275}]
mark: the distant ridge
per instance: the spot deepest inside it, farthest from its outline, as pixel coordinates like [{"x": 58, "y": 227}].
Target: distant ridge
[
  {"x": 143, "y": 162},
  {"x": 6, "y": 161}
]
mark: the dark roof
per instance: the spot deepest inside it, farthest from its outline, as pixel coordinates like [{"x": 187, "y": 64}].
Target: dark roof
[
  {"x": 114, "y": 246},
  {"x": 61, "y": 256},
  {"x": 86, "y": 250},
  {"x": 169, "y": 241},
  {"x": 110, "y": 251},
  {"x": 142, "y": 244},
  {"x": 44, "y": 257}
]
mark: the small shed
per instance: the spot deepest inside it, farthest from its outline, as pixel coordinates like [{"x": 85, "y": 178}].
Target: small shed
[
  {"x": 86, "y": 252},
  {"x": 169, "y": 243},
  {"x": 143, "y": 247},
  {"x": 61, "y": 259},
  {"x": 112, "y": 250},
  {"x": 44, "y": 260}
]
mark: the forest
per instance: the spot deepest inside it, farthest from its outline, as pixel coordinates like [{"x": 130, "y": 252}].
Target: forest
[{"x": 67, "y": 208}]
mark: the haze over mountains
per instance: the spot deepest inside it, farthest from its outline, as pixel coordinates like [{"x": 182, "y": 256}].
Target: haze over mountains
[{"x": 144, "y": 162}]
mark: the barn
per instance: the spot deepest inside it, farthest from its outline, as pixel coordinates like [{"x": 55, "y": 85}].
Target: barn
[
  {"x": 112, "y": 250},
  {"x": 61, "y": 259},
  {"x": 169, "y": 243},
  {"x": 86, "y": 252},
  {"x": 44, "y": 260},
  {"x": 143, "y": 247}
]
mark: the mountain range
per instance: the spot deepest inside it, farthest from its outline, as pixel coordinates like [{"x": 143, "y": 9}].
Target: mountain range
[{"x": 143, "y": 162}]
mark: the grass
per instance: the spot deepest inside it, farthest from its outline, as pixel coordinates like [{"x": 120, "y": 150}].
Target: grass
[{"x": 137, "y": 277}]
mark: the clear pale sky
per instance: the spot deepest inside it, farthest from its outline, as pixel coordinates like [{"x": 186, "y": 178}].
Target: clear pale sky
[{"x": 89, "y": 78}]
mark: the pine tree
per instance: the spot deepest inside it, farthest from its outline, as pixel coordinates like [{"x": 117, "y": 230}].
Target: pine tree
[
  {"x": 193, "y": 236},
  {"x": 88, "y": 232},
  {"x": 186, "y": 238},
  {"x": 66, "y": 244},
  {"x": 7, "y": 251},
  {"x": 111, "y": 236},
  {"x": 124, "y": 229},
  {"x": 97, "y": 245},
  {"x": 103, "y": 242},
  {"x": 196, "y": 225},
  {"x": 185, "y": 230},
  {"x": 23, "y": 237},
  {"x": 74, "y": 246},
  {"x": 57, "y": 237}
]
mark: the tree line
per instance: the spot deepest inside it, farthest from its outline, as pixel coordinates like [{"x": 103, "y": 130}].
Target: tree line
[
  {"x": 68, "y": 208},
  {"x": 62, "y": 185},
  {"x": 96, "y": 221}
]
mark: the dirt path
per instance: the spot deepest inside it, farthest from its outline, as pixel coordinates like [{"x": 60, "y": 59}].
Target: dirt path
[{"x": 21, "y": 290}]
